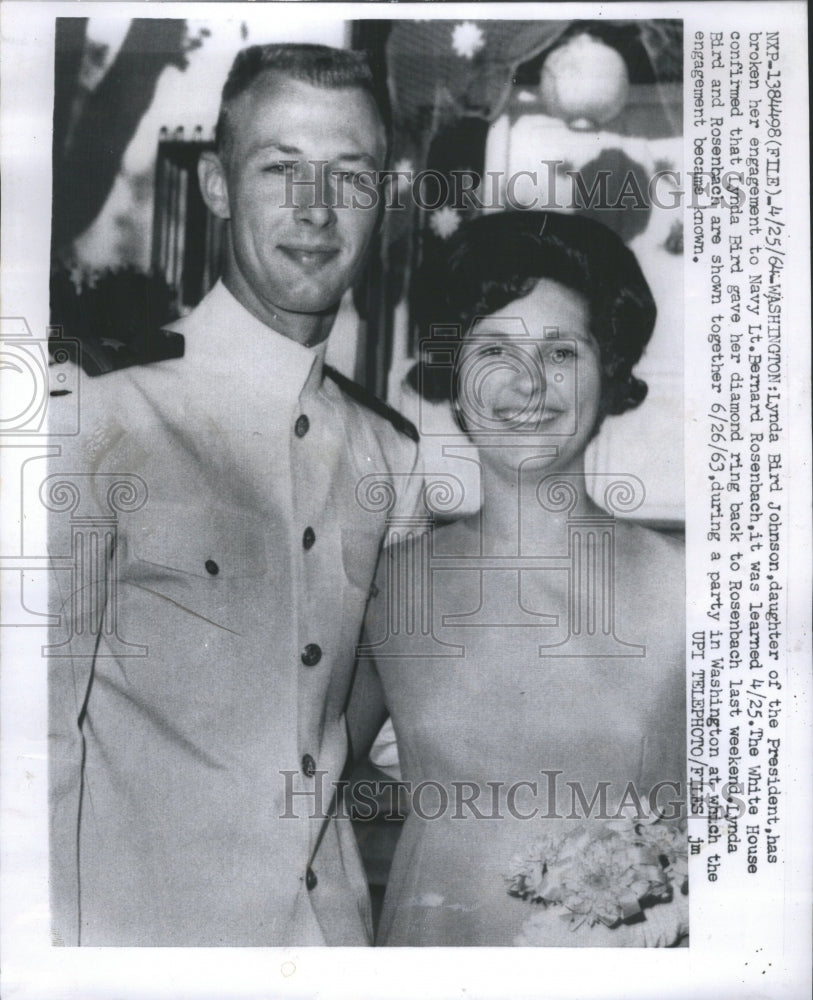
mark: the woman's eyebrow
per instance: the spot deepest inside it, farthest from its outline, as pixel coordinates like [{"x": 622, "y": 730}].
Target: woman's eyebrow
[
  {"x": 483, "y": 332},
  {"x": 579, "y": 335},
  {"x": 551, "y": 335}
]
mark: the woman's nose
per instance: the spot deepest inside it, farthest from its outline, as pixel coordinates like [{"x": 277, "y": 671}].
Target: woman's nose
[{"x": 528, "y": 373}]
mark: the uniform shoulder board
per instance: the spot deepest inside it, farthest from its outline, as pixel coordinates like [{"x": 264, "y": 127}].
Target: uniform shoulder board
[
  {"x": 372, "y": 402},
  {"x": 99, "y": 355}
]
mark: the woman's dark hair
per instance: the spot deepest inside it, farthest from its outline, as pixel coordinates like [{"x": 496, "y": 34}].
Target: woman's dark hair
[{"x": 496, "y": 259}]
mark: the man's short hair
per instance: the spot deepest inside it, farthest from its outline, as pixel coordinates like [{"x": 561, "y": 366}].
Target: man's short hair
[{"x": 318, "y": 65}]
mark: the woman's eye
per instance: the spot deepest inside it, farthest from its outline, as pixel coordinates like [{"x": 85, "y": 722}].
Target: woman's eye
[
  {"x": 491, "y": 351},
  {"x": 562, "y": 355}
]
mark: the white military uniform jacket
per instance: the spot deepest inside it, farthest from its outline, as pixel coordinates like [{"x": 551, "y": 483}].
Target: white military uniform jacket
[{"x": 183, "y": 736}]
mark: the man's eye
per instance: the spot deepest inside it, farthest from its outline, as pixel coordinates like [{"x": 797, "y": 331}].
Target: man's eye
[
  {"x": 491, "y": 350},
  {"x": 350, "y": 176},
  {"x": 283, "y": 167}
]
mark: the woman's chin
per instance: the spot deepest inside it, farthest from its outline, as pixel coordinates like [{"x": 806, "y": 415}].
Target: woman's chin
[{"x": 525, "y": 454}]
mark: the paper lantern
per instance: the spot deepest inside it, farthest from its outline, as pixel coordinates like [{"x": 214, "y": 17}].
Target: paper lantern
[{"x": 584, "y": 82}]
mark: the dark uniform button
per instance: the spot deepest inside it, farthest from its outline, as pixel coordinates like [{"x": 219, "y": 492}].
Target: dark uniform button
[
  {"x": 308, "y": 538},
  {"x": 311, "y": 654},
  {"x": 308, "y": 766},
  {"x": 212, "y": 567},
  {"x": 302, "y": 426},
  {"x": 310, "y": 878}
]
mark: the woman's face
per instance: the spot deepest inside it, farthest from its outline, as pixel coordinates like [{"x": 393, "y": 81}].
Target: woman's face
[{"x": 530, "y": 375}]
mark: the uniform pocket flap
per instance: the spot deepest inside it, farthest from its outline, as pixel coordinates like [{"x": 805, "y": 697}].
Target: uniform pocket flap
[{"x": 205, "y": 541}]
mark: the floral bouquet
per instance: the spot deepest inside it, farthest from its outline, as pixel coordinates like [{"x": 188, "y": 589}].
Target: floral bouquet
[{"x": 605, "y": 873}]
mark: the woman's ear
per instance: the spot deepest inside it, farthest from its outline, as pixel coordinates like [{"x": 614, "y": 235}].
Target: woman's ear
[{"x": 214, "y": 184}]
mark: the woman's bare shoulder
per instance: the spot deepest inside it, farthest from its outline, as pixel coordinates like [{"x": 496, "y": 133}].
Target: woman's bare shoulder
[
  {"x": 663, "y": 550},
  {"x": 651, "y": 563}
]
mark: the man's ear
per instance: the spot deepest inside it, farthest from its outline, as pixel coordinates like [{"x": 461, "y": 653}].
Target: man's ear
[{"x": 213, "y": 184}]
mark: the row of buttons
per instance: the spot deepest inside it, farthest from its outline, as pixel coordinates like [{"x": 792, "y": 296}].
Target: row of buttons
[
  {"x": 309, "y": 769},
  {"x": 312, "y": 653},
  {"x": 301, "y": 428}
]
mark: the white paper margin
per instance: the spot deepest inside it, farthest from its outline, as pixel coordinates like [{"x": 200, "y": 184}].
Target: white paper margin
[{"x": 765, "y": 953}]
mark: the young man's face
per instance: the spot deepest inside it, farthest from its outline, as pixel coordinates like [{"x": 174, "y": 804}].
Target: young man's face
[{"x": 294, "y": 247}]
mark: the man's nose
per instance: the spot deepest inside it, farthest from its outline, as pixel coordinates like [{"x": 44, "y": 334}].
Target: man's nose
[
  {"x": 320, "y": 216},
  {"x": 314, "y": 198}
]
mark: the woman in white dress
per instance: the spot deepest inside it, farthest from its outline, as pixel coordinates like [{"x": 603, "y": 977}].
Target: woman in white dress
[{"x": 531, "y": 656}]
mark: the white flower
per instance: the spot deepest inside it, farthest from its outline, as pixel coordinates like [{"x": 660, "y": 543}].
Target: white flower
[
  {"x": 77, "y": 277},
  {"x": 404, "y": 170},
  {"x": 467, "y": 39},
  {"x": 444, "y": 222}
]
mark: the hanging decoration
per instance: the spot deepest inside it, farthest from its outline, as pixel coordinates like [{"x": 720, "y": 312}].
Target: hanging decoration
[
  {"x": 449, "y": 80},
  {"x": 584, "y": 82}
]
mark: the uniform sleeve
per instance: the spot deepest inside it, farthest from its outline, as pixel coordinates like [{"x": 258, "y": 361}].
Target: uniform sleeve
[
  {"x": 76, "y": 495},
  {"x": 410, "y": 480}
]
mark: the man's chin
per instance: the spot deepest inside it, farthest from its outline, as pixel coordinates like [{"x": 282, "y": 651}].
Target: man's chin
[
  {"x": 316, "y": 306},
  {"x": 310, "y": 300}
]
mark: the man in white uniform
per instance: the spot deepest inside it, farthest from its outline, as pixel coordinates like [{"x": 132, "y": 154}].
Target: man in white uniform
[{"x": 191, "y": 727}]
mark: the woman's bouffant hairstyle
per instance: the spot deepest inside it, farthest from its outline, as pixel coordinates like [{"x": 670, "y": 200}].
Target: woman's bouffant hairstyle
[{"x": 496, "y": 259}]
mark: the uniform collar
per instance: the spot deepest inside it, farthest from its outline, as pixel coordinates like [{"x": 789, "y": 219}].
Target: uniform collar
[{"x": 221, "y": 330}]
